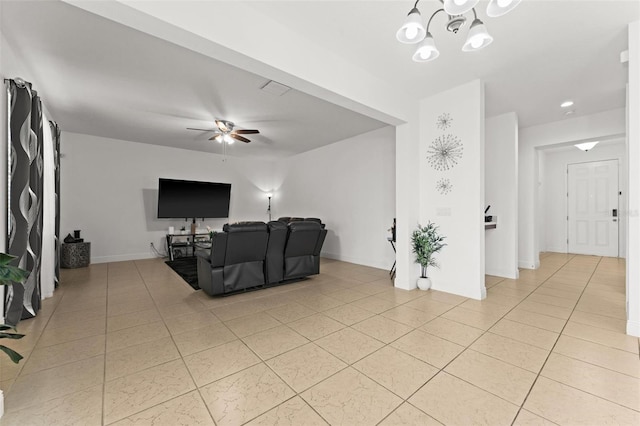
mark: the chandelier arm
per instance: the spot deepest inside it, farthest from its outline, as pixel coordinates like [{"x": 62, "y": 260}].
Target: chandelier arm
[
  {"x": 475, "y": 15},
  {"x": 434, "y": 14},
  {"x": 416, "y": 4}
]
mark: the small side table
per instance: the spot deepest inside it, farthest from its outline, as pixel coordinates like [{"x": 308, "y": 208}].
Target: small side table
[
  {"x": 75, "y": 255},
  {"x": 392, "y": 272}
]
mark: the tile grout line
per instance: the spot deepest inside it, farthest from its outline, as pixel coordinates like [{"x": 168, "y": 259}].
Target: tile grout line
[
  {"x": 468, "y": 347},
  {"x": 556, "y": 342},
  {"x": 144, "y": 281},
  {"x": 345, "y": 326}
]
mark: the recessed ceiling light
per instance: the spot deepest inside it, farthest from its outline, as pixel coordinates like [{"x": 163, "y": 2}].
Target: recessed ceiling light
[{"x": 566, "y": 104}]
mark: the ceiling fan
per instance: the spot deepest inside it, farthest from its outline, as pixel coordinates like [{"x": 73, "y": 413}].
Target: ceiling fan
[{"x": 225, "y": 132}]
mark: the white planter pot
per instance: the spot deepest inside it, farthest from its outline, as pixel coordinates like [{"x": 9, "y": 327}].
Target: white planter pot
[{"x": 424, "y": 283}]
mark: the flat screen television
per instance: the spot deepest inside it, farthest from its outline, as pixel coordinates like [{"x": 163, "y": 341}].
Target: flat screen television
[{"x": 192, "y": 199}]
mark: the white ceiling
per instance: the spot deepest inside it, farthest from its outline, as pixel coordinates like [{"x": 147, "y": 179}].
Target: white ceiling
[
  {"x": 544, "y": 51},
  {"x": 105, "y": 79}
]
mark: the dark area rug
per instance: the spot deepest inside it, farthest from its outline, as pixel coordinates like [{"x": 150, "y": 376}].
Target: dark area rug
[{"x": 187, "y": 268}]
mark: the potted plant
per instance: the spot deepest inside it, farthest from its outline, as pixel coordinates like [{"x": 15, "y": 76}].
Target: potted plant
[
  {"x": 10, "y": 275},
  {"x": 426, "y": 242}
]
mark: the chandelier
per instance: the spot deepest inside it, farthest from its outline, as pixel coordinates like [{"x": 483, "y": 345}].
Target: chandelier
[{"x": 413, "y": 30}]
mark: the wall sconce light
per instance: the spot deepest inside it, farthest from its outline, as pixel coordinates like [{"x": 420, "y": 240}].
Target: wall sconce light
[{"x": 269, "y": 195}]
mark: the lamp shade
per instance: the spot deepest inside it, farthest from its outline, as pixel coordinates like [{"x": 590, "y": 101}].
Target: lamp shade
[
  {"x": 427, "y": 50},
  {"x": 413, "y": 30},
  {"x": 500, "y": 7},
  {"x": 478, "y": 37},
  {"x": 459, "y": 7}
]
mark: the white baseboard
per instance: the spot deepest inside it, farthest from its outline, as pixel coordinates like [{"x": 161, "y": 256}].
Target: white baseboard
[
  {"x": 450, "y": 288},
  {"x": 122, "y": 257},
  {"x": 526, "y": 264},
  {"x": 140, "y": 256},
  {"x": 557, "y": 249},
  {"x": 366, "y": 262},
  {"x": 504, "y": 273},
  {"x": 633, "y": 328},
  {"x": 529, "y": 264}
]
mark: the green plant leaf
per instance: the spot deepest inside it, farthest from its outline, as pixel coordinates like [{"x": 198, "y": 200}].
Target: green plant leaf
[
  {"x": 425, "y": 243},
  {"x": 11, "y": 274},
  {"x": 11, "y": 336},
  {"x": 4, "y": 327},
  {"x": 5, "y": 258},
  {"x": 15, "y": 356}
]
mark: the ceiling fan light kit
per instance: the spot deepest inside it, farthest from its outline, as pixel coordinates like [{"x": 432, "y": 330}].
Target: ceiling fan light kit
[
  {"x": 413, "y": 31},
  {"x": 226, "y": 134}
]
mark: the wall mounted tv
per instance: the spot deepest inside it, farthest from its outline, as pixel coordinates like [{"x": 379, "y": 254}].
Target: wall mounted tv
[{"x": 192, "y": 199}]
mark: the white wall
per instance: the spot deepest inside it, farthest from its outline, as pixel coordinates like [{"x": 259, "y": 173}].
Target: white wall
[
  {"x": 501, "y": 193},
  {"x": 554, "y": 182},
  {"x": 459, "y": 214},
  {"x": 604, "y": 125},
  {"x": 541, "y": 224},
  {"x": 350, "y": 185},
  {"x": 407, "y": 199},
  {"x": 109, "y": 191},
  {"x": 633, "y": 158}
]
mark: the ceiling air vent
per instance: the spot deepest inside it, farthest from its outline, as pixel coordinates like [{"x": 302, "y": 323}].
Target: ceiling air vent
[{"x": 275, "y": 88}]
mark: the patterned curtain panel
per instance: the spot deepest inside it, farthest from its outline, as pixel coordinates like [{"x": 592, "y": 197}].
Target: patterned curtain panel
[
  {"x": 55, "y": 132},
  {"x": 24, "y": 238}
]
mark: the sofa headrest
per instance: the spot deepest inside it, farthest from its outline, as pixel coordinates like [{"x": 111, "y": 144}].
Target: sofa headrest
[
  {"x": 245, "y": 227},
  {"x": 313, "y": 219},
  {"x": 304, "y": 225},
  {"x": 276, "y": 225},
  {"x": 284, "y": 219}
]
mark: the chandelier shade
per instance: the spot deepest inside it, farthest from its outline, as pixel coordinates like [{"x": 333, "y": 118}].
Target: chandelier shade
[
  {"x": 412, "y": 30},
  {"x": 501, "y": 7},
  {"x": 427, "y": 50},
  {"x": 478, "y": 37},
  {"x": 459, "y": 7}
]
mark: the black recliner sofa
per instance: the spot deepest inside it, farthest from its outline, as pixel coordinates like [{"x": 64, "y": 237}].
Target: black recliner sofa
[
  {"x": 254, "y": 254},
  {"x": 236, "y": 258}
]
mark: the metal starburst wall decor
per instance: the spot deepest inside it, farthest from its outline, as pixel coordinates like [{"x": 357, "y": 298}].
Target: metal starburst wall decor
[
  {"x": 444, "y": 186},
  {"x": 444, "y": 121},
  {"x": 444, "y": 152}
]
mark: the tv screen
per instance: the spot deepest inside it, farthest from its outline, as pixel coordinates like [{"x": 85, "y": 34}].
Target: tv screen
[{"x": 192, "y": 199}]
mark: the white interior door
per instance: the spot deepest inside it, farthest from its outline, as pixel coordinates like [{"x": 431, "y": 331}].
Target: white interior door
[{"x": 592, "y": 191}]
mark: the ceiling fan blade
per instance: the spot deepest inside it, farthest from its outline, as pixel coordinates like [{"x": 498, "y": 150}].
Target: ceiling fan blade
[
  {"x": 240, "y": 138},
  {"x": 215, "y": 137},
  {"x": 246, "y": 132},
  {"x": 202, "y": 130}
]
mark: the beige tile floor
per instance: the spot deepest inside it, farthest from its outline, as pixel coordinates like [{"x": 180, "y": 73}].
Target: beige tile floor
[{"x": 130, "y": 343}]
